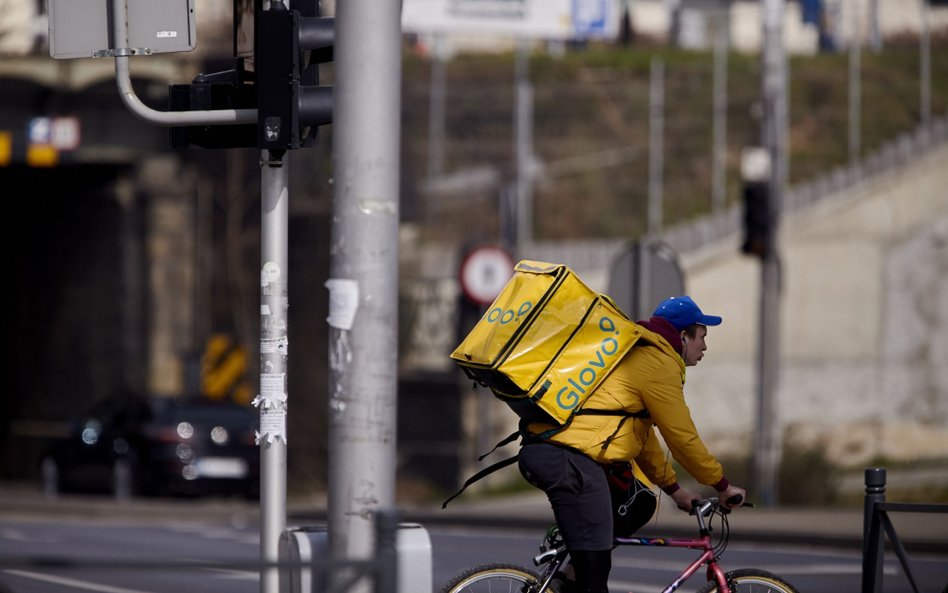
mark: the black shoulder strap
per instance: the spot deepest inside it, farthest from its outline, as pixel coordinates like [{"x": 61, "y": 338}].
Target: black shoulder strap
[
  {"x": 487, "y": 470},
  {"x": 506, "y": 441},
  {"x": 513, "y": 436}
]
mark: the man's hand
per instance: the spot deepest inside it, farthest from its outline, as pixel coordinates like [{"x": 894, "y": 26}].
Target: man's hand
[
  {"x": 683, "y": 499},
  {"x": 733, "y": 496}
]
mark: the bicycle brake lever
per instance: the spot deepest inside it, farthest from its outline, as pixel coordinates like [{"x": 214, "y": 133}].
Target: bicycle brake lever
[
  {"x": 701, "y": 506},
  {"x": 545, "y": 557}
]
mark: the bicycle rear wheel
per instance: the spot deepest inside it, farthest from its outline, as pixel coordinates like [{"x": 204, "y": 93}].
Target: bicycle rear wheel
[
  {"x": 495, "y": 578},
  {"x": 752, "y": 580}
]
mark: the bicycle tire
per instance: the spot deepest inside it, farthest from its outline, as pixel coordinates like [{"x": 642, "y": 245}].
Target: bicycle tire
[
  {"x": 752, "y": 580},
  {"x": 494, "y": 578}
]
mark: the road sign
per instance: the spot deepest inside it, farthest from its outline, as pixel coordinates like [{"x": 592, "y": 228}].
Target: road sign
[
  {"x": 533, "y": 19},
  {"x": 83, "y": 28},
  {"x": 484, "y": 273}
]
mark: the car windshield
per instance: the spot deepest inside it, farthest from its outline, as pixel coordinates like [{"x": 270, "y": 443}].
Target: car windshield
[{"x": 206, "y": 414}]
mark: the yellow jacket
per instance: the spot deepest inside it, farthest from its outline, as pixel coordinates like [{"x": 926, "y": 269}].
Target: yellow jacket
[{"x": 650, "y": 377}]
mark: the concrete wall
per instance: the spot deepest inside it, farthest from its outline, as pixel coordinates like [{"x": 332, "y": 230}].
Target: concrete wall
[
  {"x": 864, "y": 322},
  {"x": 864, "y": 319}
]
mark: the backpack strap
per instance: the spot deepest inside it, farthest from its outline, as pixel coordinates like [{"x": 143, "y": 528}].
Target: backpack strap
[
  {"x": 505, "y": 441},
  {"x": 486, "y": 471},
  {"x": 540, "y": 437},
  {"x": 643, "y": 413}
]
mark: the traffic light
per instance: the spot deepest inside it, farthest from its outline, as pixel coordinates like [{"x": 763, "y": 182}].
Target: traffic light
[
  {"x": 289, "y": 46},
  {"x": 757, "y": 219}
]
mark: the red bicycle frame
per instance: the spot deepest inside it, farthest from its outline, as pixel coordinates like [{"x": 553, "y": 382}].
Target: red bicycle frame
[{"x": 707, "y": 557}]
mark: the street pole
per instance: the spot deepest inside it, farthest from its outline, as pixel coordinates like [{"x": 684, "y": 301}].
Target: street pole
[
  {"x": 436, "y": 112},
  {"x": 767, "y": 449},
  {"x": 274, "y": 174},
  {"x": 855, "y": 89},
  {"x": 363, "y": 282},
  {"x": 925, "y": 70},
  {"x": 875, "y": 37},
  {"x": 719, "y": 148},
  {"x": 656, "y": 147},
  {"x": 523, "y": 147}
]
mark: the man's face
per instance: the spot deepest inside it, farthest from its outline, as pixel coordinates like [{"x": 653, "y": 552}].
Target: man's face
[{"x": 694, "y": 348}]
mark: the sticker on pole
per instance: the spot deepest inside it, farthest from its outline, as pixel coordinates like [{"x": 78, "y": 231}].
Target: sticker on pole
[{"x": 484, "y": 273}]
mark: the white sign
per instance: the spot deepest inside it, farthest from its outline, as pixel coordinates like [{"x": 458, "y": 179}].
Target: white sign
[
  {"x": 485, "y": 272},
  {"x": 543, "y": 19},
  {"x": 64, "y": 133}
]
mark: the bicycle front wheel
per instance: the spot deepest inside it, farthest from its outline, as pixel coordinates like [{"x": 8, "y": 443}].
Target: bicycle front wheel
[
  {"x": 752, "y": 580},
  {"x": 495, "y": 578}
]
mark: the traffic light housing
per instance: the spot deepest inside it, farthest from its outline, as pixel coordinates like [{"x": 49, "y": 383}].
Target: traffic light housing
[
  {"x": 289, "y": 46},
  {"x": 758, "y": 226},
  {"x": 230, "y": 89}
]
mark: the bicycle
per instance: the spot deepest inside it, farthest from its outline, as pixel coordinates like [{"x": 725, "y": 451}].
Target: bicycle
[{"x": 553, "y": 555}]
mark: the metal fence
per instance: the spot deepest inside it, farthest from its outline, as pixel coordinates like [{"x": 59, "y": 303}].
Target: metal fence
[{"x": 877, "y": 527}]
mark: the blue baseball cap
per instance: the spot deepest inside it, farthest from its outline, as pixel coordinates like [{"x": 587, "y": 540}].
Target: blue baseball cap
[{"x": 681, "y": 311}]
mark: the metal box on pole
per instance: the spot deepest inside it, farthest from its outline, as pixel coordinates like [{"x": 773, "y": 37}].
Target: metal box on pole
[
  {"x": 84, "y": 28},
  {"x": 305, "y": 551}
]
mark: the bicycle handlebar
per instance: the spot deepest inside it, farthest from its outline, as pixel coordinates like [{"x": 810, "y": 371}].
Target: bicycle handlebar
[{"x": 709, "y": 505}]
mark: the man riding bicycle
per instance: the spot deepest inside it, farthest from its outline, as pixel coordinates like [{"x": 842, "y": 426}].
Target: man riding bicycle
[{"x": 645, "y": 390}]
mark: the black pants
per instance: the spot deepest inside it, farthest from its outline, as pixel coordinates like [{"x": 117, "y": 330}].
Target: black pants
[{"x": 578, "y": 492}]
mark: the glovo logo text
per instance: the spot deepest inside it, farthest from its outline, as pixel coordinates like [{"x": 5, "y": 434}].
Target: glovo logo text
[
  {"x": 505, "y": 316},
  {"x": 569, "y": 396}
]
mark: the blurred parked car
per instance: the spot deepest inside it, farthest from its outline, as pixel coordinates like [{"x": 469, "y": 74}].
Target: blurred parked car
[{"x": 130, "y": 446}]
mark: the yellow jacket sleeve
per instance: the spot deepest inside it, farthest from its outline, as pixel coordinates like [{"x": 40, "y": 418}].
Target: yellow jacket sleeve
[{"x": 665, "y": 400}]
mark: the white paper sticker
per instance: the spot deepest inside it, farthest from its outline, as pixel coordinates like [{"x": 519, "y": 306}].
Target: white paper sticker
[
  {"x": 269, "y": 273},
  {"x": 343, "y": 302},
  {"x": 280, "y": 345},
  {"x": 272, "y": 405}
]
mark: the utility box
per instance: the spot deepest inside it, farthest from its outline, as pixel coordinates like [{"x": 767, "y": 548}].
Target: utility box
[
  {"x": 84, "y": 28},
  {"x": 306, "y": 549}
]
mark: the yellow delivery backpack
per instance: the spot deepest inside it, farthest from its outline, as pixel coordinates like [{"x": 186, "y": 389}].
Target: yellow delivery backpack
[
  {"x": 543, "y": 346},
  {"x": 546, "y": 342}
]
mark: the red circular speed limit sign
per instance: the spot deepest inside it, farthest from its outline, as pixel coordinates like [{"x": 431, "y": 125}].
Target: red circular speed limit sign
[{"x": 484, "y": 273}]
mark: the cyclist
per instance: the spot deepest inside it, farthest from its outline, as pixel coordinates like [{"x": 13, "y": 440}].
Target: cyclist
[{"x": 644, "y": 390}]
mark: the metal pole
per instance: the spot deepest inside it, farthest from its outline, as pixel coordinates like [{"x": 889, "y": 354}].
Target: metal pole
[
  {"x": 386, "y": 552},
  {"x": 874, "y": 36},
  {"x": 436, "y": 110},
  {"x": 925, "y": 74},
  {"x": 523, "y": 147},
  {"x": 656, "y": 131},
  {"x": 123, "y": 81},
  {"x": 363, "y": 284},
  {"x": 719, "y": 151},
  {"x": 855, "y": 89},
  {"x": 767, "y": 450},
  {"x": 274, "y": 174},
  {"x": 872, "y": 539}
]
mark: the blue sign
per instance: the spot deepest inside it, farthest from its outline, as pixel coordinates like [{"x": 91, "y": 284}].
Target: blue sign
[{"x": 590, "y": 17}]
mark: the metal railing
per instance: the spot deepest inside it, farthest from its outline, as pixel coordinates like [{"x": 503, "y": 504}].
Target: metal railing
[{"x": 875, "y": 522}]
